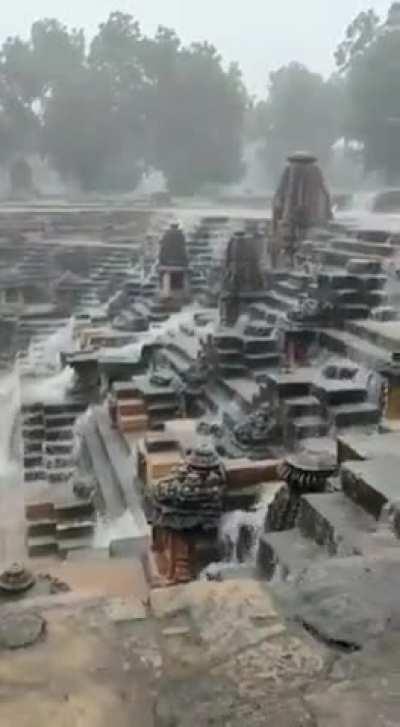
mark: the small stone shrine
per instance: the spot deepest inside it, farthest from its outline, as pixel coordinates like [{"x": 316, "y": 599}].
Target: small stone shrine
[
  {"x": 301, "y": 202},
  {"x": 173, "y": 265},
  {"x": 186, "y": 504},
  {"x": 16, "y": 580},
  {"x": 243, "y": 282}
]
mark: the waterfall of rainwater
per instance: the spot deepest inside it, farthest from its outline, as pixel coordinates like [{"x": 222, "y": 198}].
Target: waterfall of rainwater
[
  {"x": 10, "y": 446},
  {"x": 239, "y": 536}
]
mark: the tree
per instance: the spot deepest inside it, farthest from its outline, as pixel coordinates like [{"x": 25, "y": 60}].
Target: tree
[
  {"x": 372, "y": 76},
  {"x": 359, "y": 35},
  {"x": 301, "y": 113},
  {"x": 29, "y": 73},
  {"x": 198, "y": 114},
  {"x": 94, "y": 121},
  {"x": 104, "y": 114}
]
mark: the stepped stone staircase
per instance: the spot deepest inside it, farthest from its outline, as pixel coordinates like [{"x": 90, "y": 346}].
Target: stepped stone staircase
[
  {"x": 351, "y": 521},
  {"x": 310, "y": 406},
  {"x": 141, "y": 404},
  {"x": 246, "y": 353},
  {"x": 57, "y": 521},
  {"x": 48, "y": 436},
  {"x": 58, "y": 525}
]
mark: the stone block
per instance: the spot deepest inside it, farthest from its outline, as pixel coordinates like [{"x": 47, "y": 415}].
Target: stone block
[
  {"x": 372, "y": 484},
  {"x": 131, "y": 407},
  {"x": 129, "y": 547},
  {"x": 136, "y": 423},
  {"x": 125, "y": 610},
  {"x": 243, "y": 473},
  {"x": 39, "y": 511}
]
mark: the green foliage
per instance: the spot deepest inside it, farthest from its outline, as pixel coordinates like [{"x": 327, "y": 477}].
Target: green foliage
[
  {"x": 301, "y": 113},
  {"x": 104, "y": 114},
  {"x": 359, "y": 35},
  {"x": 372, "y": 77},
  {"x": 198, "y": 115}
]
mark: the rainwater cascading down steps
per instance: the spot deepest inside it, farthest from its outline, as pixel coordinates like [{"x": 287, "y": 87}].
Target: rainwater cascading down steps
[{"x": 57, "y": 521}]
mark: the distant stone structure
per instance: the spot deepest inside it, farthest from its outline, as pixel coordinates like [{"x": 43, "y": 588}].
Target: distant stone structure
[
  {"x": 173, "y": 264},
  {"x": 243, "y": 282},
  {"x": 301, "y": 202}
]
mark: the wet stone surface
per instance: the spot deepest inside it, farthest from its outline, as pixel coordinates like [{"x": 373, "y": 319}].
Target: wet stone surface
[{"x": 20, "y": 631}]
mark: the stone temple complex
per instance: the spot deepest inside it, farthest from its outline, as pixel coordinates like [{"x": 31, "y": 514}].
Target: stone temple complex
[{"x": 200, "y": 470}]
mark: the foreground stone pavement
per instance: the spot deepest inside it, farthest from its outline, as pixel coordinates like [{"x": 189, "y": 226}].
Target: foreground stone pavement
[{"x": 204, "y": 654}]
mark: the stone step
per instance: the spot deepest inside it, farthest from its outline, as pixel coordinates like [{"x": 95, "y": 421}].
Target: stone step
[
  {"x": 362, "y": 247},
  {"x": 131, "y": 407},
  {"x": 35, "y": 474},
  {"x": 346, "y": 344},
  {"x": 301, "y": 406},
  {"x": 59, "y": 421},
  {"x": 336, "y": 258},
  {"x": 74, "y": 509},
  {"x": 137, "y": 423},
  {"x": 308, "y": 426},
  {"x": 59, "y": 447},
  {"x": 33, "y": 433},
  {"x": 74, "y": 529},
  {"x": 351, "y": 415},
  {"x": 373, "y": 484},
  {"x": 34, "y": 419},
  {"x": 33, "y": 460},
  {"x": 350, "y": 300},
  {"x": 33, "y": 446},
  {"x": 162, "y": 407},
  {"x": 58, "y": 461},
  {"x": 278, "y": 301},
  {"x": 65, "y": 545},
  {"x": 42, "y": 528},
  {"x": 262, "y": 360},
  {"x": 287, "y": 289},
  {"x": 70, "y": 407},
  {"x": 382, "y": 335},
  {"x": 335, "y": 523},
  {"x": 336, "y": 393},
  {"x": 41, "y": 545},
  {"x": 60, "y": 434},
  {"x": 228, "y": 357},
  {"x": 232, "y": 371},
  {"x": 255, "y": 346},
  {"x": 59, "y": 474},
  {"x": 285, "y": 555}
]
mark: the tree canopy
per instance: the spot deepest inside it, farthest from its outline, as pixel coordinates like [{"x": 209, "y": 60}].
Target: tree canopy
[
  {"x": 106, "y": 111},
  {"x": 103, "y": 113},
  {"x": 369, "y": 61},
  {"x": 301, "y": 113}
]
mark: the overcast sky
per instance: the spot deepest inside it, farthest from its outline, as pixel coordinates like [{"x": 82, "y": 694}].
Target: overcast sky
[{"x": 260, "y": 34}]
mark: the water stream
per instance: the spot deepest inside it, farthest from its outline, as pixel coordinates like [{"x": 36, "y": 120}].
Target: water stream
[
  {"x": 10, "y": 445},
  {"x": 239, "y": 536}
]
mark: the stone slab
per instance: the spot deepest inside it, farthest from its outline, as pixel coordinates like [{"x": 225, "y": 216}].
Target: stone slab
[
  {"x": 286, "y": 554},
  {"x": 120, "y": 610},
  {"x": 374, "y": 483}
]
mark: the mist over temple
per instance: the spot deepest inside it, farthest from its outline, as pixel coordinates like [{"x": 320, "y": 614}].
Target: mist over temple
[{"x": 199, "y": 381}]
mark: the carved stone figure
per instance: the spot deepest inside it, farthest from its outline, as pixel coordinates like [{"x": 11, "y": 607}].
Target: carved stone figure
[{"x": 256, "y": 429}]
